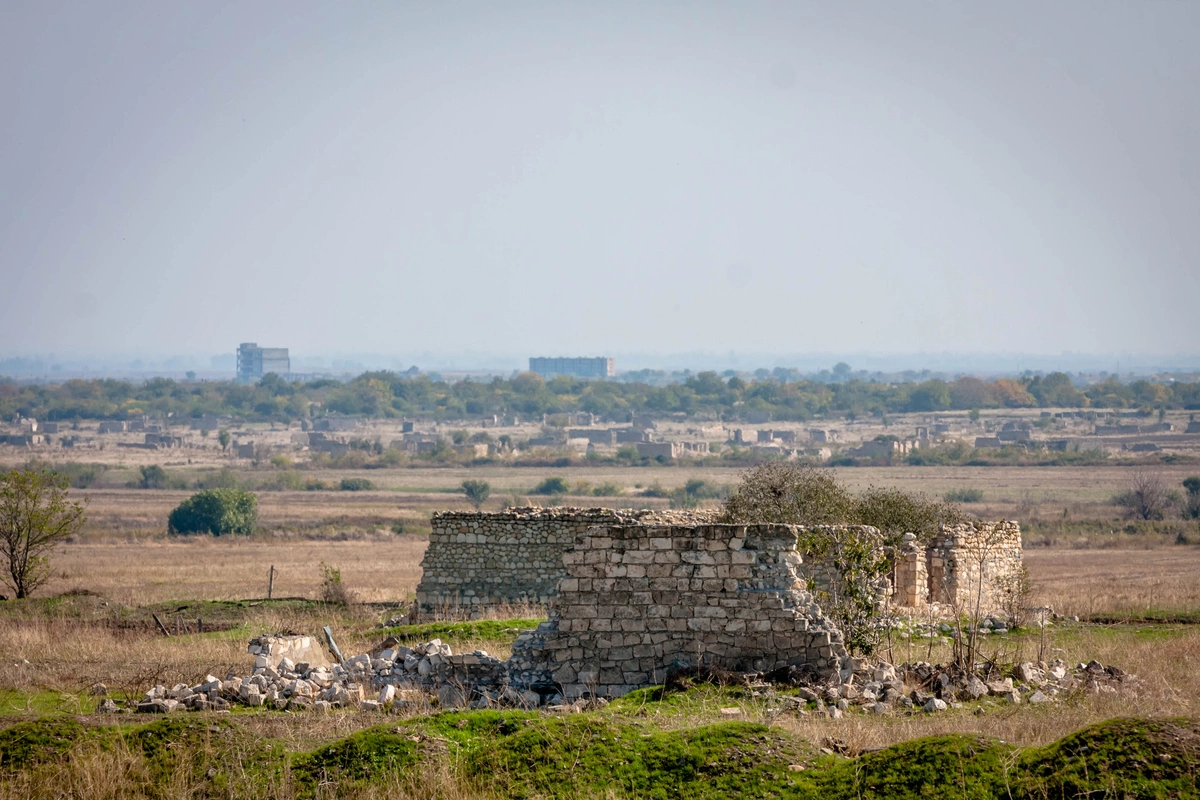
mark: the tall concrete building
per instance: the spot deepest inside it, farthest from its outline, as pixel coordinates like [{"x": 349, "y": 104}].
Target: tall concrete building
[
  {"x": 574, "y": 367},
  {"x": 253, "y": 361}
]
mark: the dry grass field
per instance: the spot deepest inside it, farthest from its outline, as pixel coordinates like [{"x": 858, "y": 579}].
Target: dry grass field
[
  {"x": 1117, "y": 582},
  {"x": 408, "y": 496},
  {"x": 379, "y": 569}
]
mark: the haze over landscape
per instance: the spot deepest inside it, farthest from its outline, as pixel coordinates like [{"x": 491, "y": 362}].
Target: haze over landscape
[{"x": 541, "y": 179}]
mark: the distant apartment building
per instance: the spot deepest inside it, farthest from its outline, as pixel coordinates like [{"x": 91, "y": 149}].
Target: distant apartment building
[
  {"x": 253, "y": 362},
  {"x": 574, "y": 367}
]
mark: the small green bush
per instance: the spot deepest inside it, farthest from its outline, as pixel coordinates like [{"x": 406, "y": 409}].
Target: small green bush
[
  {"x": 476, "y": 491},
  {"x": 153, "y": 477},
  {"x": 964, "y": 495},
  {"x": 551, "y": 485},
  {"x": 216, "y": 511},
  {"x": 356, "y": 485}
]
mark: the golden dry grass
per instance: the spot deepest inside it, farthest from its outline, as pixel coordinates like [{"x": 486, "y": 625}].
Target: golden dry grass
[
  {"x": 378, "y": 569},
  {"x": 1087, "y": 582}
]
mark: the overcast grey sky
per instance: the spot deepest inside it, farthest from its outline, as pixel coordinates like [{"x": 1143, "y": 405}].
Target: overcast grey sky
[{"x": 585, "y": 178}]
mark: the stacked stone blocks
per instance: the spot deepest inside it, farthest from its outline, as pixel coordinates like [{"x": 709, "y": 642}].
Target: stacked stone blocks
[
  {"x": 475, "y": 560},
  {"x": 966, "y": 563},
  {"x": 639, "y": 600}
]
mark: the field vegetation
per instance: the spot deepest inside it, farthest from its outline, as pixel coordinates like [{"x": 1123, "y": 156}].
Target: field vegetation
[{"x": 350, "y": 559}]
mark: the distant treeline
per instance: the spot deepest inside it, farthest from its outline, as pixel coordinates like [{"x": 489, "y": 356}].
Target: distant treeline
[{"x": 387, "y": 394}]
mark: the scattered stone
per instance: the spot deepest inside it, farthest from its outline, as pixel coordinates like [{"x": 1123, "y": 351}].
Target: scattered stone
[
  {"x": 107, "y": 706},
  {"x": 934, "y": 704},
  {"x": 98, "y": 689},
  {"x": 976, "y": 689},
  {"x": 731, "y": 712},
  {"x": 1039, "y": 697}
]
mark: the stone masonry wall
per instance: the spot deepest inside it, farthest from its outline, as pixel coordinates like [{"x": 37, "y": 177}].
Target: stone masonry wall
[
  {"x": 640, "y": 599},
  {"x": 481, "y": 559},
  {"x": 970, "y": 558}
]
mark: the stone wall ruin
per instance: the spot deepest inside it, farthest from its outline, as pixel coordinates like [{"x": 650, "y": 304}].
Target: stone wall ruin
[
  {"x": 475, "y": 560},
  {"x": 969, "y": 562},
  {"x": 639, "y": 600}
]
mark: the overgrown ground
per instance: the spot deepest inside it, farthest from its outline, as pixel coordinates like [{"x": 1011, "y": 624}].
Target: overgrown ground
[
  {"x": 619, "y": 751},
  {"x": 95, "y": 623},
  {"x": 649, "y": 744}
]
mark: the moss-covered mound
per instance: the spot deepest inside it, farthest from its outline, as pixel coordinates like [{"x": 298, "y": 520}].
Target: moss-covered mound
[{"x": 608, "y": 753}]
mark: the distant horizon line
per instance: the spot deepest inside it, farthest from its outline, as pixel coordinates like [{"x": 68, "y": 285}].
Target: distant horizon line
[{"x": 52, "y": 364}]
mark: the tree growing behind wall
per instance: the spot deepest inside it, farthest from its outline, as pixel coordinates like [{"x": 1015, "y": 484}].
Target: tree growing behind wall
[
  {"x": 895, "y": 513},
  {"x": 794, "y": 494},
  {"x": 35, "y": 515},
  {"x": 788, "y": 493}
]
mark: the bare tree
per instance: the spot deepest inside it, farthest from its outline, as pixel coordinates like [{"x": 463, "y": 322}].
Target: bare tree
[
  {"x": 1147, "y": 497},
  {"x": 35, "y": 515}
]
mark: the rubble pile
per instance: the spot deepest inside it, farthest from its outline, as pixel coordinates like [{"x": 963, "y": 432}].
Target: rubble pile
[
  {"x": 398, "y": 676},
  {"x": 883, "y": 688}
]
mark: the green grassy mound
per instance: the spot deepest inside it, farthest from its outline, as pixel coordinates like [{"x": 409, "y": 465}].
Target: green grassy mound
[
  {"x": 607, "y": 753},
  {"x": 31, "y": 743}
]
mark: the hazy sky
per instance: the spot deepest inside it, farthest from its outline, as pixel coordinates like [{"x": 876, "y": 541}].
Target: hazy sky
[{"x": 585, "y": 178}]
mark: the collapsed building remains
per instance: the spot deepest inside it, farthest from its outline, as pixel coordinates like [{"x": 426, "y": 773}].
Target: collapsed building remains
[{"x": 632, "y": 597}]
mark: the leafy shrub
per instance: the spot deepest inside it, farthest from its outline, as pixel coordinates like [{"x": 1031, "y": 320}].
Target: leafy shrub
[
  {"x": 215, "y": 511},
  {"x": 552, "y": 485},
  {"x": 333, "y": 591},
  {"x": 691, "y": 493},
  {"x": 608, "y": 489},
  {"x": 224, "y": 479},
  {"x": 356, "y": 485},
  {"x": 964, "y": 495},
  {"x": 790, "y": 493},
  {"x": 476, "y": 491},
  {"x": 153, "y": 477},
  {"x": 895, "y": 513},
  {"x": 1191, "y": 507},
  {"x": 80, "y": 476}
]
